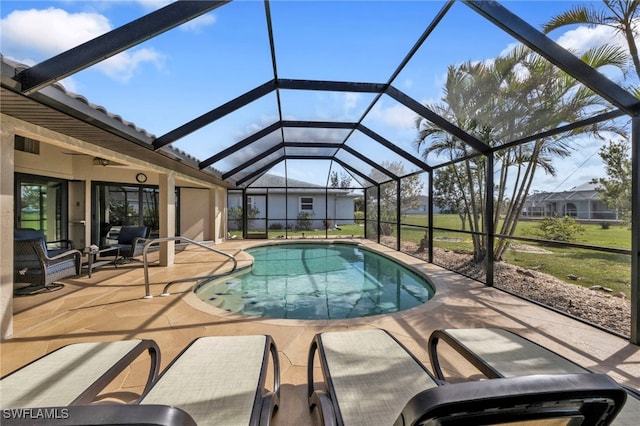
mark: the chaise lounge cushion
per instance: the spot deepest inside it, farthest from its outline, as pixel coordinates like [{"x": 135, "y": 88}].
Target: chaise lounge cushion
[
  {"x": 220, "y": 380},
  {"x": 369, "y": 376},
  {"x": 73, "y": 374}
]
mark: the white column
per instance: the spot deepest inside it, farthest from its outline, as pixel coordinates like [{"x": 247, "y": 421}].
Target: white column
[
  {"x": 217, "y": 218},
  {"x": 167, "y": 217},
  {"x": 6, "y": 230}
]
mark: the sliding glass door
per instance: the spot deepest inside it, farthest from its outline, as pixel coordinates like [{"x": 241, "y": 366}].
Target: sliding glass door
[
  {"x": 117, "y": 205},
  {"x": 41, "y": 203}
]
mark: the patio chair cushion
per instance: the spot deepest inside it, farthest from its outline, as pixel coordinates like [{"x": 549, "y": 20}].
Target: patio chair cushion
[{"x": 128, "y": 239}]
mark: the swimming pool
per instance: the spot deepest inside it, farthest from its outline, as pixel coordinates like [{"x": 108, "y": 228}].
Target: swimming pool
[{"x": 317, "y": 281}]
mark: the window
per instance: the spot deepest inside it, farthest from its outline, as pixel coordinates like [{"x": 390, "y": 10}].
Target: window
[
  {"x": 306, "y": 204},
  {"x": 251, "y": 204}
]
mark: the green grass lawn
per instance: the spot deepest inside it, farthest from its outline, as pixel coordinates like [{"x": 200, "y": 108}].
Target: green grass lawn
[{"x": 592, "y": 267}]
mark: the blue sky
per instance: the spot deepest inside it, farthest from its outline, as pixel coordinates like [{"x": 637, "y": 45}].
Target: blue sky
[{"x": 177, "y": 76}]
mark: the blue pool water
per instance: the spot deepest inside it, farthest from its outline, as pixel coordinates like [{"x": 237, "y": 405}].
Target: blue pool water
[{"x": 317, "y": 281}]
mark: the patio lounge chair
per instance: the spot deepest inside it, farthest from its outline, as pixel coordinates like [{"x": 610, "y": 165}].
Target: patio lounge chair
[
  {"x": 74, "y": 374},
  {"x": 566, "y": 399},
  {"x": 220, "y": 380},
  {"x": 34, "y": 264},
  {"x": 371, "y": 379},
  {"x": 499, "y": 353},
  {"x": 368, "y": 375}
]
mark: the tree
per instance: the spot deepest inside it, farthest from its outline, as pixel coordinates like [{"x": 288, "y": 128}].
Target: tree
[
  {"x": 510, "y": 97},
  {"x": 447, "y": 191},
  {"x": 615, "y": 189},
  {"x": 30, "y": 196},
  {"x": 234, "y": 215},
  {"x": 411, "y": 187},
  {"x": 343, "y": 181},
  {"x": 122, "y": 213},
  {"x": 621, "y": 15}
]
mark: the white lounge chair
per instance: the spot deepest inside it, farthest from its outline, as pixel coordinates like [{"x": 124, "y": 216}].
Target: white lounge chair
[
  {"x": 220, "y": 380},
  {"x": 369, "y": 378},
  {"x": 499, "y": 353},
  {"x": 74, "y": 374}
]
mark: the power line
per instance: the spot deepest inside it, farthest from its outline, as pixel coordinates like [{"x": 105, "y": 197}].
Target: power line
[{"x": 577, "y": 168}]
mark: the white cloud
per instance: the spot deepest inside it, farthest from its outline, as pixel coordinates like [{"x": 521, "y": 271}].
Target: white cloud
[
  {"x": 350, "y": 101},
  {"x": 397, "y": 116},
  {"x": 123, "y": 66},
  {"x": 192, "y": 25},
  {"x": 22, "y": 39},
  {"x": 584, "y": 38},
  {"x": 153, "y": 4},
  {"x": 196, "y": 24},
  {"x": 23, "y": 35}
]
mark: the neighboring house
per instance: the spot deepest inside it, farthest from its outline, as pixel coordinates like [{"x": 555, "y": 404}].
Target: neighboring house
[
  {"x": 423, "y": 207},
  {"x": 280, "y": 205},
  {"x": 581, "y": 202}
]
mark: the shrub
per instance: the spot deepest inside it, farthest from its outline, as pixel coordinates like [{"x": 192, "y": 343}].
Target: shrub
[
  {"x": 605, "y": 225},
  {"x": 303, "y": 223},
  {"x": 359, "y": 217},
  {"x": 234, "y": 215},
  {"x": 560, "y": 228},
  {"x": 276, "y": 226}
]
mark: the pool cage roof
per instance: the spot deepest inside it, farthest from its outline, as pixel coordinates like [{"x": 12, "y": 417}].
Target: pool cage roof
[
  {"x": 354, "y": 143},
  {"x": 265, "y": 108}
]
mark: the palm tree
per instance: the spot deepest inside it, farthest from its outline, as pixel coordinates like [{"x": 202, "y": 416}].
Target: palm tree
[
  {"x": 511, "y": 97},
  {"x": 620, "y": 15}
]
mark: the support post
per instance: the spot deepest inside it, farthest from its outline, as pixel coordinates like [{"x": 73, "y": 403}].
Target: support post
[
  {"x": 430, "y": 218},
  {"x": 167, "y": 217},
  {"x": 489, "y": 232},
  {"x": 398, "y": 213},
  {"x": 635, "y": 230},
  {"x": 7, "y": 195}
]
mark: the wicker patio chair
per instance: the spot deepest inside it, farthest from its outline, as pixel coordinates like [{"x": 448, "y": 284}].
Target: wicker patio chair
[
  {"x": 131, "y": 240},
  {"x": 34, "y": 265}
]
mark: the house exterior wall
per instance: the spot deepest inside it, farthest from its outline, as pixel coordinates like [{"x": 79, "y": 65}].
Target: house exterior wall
[
  {"x": 284, "y": 209},
  {"x": 581, "y": 205},
  {"x": 194, "y": 211},
  {"x": 70, "y": 159}
]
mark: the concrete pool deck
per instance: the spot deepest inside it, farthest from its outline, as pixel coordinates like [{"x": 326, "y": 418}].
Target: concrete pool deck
[{"x": 109, "y": 306}]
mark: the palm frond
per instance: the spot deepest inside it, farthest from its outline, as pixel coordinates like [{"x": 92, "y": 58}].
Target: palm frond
[
  {"x": 607, "y": 54},
  {"x": 575, "y": 16}
]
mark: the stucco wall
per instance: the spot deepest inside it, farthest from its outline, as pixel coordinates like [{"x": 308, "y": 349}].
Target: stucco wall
[{"x": 194, "y": 214}]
